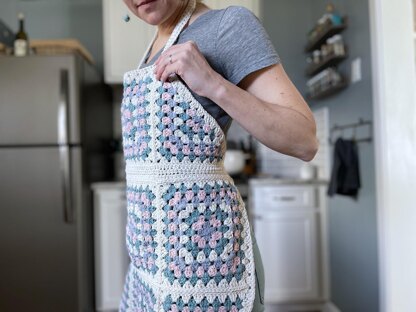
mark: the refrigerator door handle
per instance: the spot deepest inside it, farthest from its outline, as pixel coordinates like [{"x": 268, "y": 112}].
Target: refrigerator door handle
[
  {"x": 64, "y": 149},
  {"x": 63, "y": 108},
  {"x": 65, "y": 161}
]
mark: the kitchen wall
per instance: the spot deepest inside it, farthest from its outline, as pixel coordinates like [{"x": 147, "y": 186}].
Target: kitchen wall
[
  {"x": 57, "y": 19},
  {"x": 278, "y": 17},
  {"x": 352, "y": 224},
  {"x": 287, "y": 23}
]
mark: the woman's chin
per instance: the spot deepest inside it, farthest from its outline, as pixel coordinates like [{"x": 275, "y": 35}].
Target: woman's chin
[
  {"x": 152, "y": 19},
  {"x": 147, "y": 10}
]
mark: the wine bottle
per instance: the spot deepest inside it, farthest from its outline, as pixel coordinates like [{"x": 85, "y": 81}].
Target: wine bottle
[{"x": 21, "y": 43}]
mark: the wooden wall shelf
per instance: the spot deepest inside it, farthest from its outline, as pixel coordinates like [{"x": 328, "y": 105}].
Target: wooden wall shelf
[
  {"x": 325, "y": 34},
  {"x": 329, "y": 91},
  {"x": 329, "y": 61}
]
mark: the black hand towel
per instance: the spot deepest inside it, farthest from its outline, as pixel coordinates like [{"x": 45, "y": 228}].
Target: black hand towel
[{"x": 345, "y": 176}]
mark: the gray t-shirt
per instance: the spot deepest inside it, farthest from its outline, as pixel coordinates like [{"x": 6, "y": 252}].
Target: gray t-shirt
[{"x": 234, "y": 43}]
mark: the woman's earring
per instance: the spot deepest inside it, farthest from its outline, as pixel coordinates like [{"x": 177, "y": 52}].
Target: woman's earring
[{"x": 126, "y": 18}]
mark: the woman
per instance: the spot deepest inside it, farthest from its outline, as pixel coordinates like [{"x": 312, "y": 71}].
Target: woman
[{"x": 188, "y": 236}]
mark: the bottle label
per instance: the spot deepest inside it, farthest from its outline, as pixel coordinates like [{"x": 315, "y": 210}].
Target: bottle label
[{"x": 20, "y": 47}]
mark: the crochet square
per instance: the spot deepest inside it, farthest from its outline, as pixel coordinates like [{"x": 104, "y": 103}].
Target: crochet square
[
  {"x": 204, "y": 305},
  {"x": 137, "y": 295},
  {"x": 140, "y": 231},
  {"x": 183, "y": 129},
  {"x": 202, "y": 234},
  {"x": 135, "y": 119}
]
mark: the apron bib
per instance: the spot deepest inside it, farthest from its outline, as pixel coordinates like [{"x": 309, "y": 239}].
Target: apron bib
[{"x": 187, "y": 232}]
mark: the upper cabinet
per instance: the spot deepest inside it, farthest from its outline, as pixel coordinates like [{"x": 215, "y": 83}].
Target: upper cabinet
[{"x": 125, "y": 43}]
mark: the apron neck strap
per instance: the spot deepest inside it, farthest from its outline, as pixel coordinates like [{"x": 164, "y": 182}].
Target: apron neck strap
[
  {"x": 181, "y": 24},
  {"x": 186, "y": 15}
]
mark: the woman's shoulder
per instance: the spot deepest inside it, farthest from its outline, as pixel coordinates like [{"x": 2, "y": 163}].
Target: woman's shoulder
[
  {"x": 237, "y": 9},
  {"x": 236, "y": 14},
  {"x": 240, "y": 22},
  {"x": 243, "y": 44},
  {"x": 231, "y": 13},
  {"x": 232, "y": 19}
]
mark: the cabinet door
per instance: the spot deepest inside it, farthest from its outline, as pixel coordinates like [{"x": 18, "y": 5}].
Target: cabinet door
[
  {"x": 124, "y": 43},
  {"x": 289, "y": 251},
  {"x": 111, "y": 257},
  {"x": 253, "y": 5}
]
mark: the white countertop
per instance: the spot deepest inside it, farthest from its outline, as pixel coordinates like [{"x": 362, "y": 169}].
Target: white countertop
[{"x": 107, "y": 185}]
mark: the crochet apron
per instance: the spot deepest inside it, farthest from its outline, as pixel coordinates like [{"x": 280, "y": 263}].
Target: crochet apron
[{"x": 187, "y": 232}]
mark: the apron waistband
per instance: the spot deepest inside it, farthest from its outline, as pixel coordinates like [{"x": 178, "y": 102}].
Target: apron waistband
[{"x": 172, "y": 173}]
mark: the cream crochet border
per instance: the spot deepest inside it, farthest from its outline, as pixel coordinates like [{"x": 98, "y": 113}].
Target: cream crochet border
[
  {"x": 204, "y": 172},
  {"x": 200, "y": 172}
]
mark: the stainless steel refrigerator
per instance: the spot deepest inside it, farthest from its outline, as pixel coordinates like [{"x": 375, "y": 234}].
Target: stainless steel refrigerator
[{"x": 53, "y": 129}]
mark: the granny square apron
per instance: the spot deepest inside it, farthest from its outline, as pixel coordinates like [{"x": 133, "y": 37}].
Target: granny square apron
[{"x": 187, "y": 232}]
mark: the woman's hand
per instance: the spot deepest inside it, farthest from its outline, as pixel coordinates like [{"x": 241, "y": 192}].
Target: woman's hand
[{"x": 189, "y": 63}]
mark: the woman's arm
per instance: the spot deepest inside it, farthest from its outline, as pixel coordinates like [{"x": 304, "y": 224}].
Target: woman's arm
[{"x": 266, "y": 103}]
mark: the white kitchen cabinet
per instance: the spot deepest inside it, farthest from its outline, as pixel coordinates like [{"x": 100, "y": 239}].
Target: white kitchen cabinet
[
  {"x": 110, "y": 252},
  {"x": 125, "y": 43},
  {"x": 288, "y": 246},
  {"x": 289, "y": 228}
]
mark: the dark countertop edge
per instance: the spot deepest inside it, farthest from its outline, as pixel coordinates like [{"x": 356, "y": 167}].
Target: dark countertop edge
[{"x": 275, "y": 180}]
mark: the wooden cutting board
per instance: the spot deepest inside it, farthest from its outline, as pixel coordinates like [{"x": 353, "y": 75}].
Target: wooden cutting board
[{"x": 60, "y": 46}]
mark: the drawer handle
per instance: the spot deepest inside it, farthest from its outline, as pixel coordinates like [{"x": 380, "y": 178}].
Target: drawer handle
[{"x": 284, "y": 198}]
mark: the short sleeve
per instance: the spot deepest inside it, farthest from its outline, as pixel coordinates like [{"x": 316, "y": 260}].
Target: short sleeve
[{"x": 243, "y": 45}]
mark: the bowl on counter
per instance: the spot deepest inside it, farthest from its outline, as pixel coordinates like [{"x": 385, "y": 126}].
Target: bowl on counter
[{"x": 234, "y": 161}]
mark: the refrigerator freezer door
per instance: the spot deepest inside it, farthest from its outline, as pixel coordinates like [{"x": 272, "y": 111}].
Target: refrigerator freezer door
[
  {"x": 39, "y": 100},
  {"x": 42, "y": 260}
]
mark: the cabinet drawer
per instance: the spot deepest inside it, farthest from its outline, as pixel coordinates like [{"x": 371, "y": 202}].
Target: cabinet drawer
[{"x": 272, "y": 197}]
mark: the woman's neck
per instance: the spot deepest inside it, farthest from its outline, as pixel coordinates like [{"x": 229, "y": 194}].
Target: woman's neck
[{"x": 166, "y": 27}]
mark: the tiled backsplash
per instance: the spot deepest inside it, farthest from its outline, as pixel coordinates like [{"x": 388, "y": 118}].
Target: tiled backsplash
[{"x": 322, "y": 158}]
